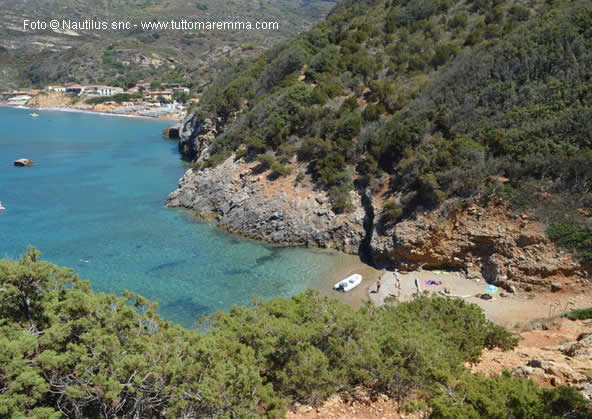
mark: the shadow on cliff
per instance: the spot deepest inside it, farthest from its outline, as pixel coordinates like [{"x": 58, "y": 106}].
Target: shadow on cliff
[{"x": 365, "y": 249}]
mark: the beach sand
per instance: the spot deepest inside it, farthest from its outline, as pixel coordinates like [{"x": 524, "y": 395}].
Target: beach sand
[
  {"x": 92, "y": 112},
  {"x": 510, "y": 310},
  {"x": 349, "y": 265}
]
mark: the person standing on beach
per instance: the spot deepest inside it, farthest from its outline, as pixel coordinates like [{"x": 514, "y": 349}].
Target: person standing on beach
[{"x": 378, "y": 284}]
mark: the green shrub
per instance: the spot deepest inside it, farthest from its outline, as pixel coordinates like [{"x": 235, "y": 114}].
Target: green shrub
[
  {"x": 458, "y": 21},
  {"x": 299, "y": 178},
  {"x": 119, "y": 98},
  {"x": 580, "y": 314},
  {"x": 97, "y": 100},
  {"x": 391, "y": 213},
  {"x": 573, "y": 237},
  {"x": 442, "y": 54},
  {"x": 476, "y": 396},
  {"x": 518, "y": 13},
  {"x": 278, "y": 169},
  {"x": 494, "y": 16},
  {"x": 217, "y": 158},
  {"x": 266, "y": 160},
  {"x": 288, "y": 61},
  {"x": 372, "y": 112}
]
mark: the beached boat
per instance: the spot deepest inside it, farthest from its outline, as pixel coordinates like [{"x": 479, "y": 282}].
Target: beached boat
[{"x": 348, "y": 283}]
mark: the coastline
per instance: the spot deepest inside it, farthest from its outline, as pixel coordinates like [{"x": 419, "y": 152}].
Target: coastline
[
  {"x": 515, "y": 310},
  {"x": 349, "y": 265},
  {"x": 508, "y": 310},
  {"x": 88, "y": 111}
]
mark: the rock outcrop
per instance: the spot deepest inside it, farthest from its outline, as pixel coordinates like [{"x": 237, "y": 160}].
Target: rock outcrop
[
  {"x": 23, "y": 162},
  {"x": 50, "y": 100},
  {"x": 172, "y": 133},
  {"x": 279, "y": 211},
  {"x": 196, "y": 135},
  {"x": 483, "y": 238},
  {"x": 560, "y": 354}
]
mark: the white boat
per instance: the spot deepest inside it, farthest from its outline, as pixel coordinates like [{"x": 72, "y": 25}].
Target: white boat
[
  {"x": 34, "y": 115},
  {"x": 1, "y": 206},
  {"x": 348, "y": 283}
]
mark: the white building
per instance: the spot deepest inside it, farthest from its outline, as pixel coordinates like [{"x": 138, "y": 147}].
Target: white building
[
  {"x": 59, "y": 89},
  {"x": 180, "y": 90},
  {"x": 102, "y": 90},
  {"x": 19, "y": 100},
  {"x": 94, "y": 90}
]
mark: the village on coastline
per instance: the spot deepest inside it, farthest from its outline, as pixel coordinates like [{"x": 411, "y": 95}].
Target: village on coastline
[{"x": 154, "y": 100}]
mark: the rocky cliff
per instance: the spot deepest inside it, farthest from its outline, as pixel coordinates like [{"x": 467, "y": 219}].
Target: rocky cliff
[
  {"x": 483, "y": 237},
  {"x": 195, "y": 136},
  {"x": 50, "y": 100},
  {"x": 282, "y": 211},
  {"x": 554, "y": 352}
]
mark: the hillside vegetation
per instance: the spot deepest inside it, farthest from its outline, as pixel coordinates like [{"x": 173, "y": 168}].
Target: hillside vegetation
[
  {"x": 68, "y": 352},
  {"x": 428, "y": 100},
  {"x": 119, "y": 58}
]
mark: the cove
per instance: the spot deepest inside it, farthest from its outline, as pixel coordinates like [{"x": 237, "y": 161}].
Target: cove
[{"x": 94, "y": 201}]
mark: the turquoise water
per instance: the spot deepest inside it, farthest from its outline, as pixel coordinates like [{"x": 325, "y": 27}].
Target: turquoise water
[{"x": 96, "y": 193}]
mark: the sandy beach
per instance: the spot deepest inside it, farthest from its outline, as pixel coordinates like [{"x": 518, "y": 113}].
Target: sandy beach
[
  {"x": 504, "y": 308},
  {"x": 89, "y": 111},
  {"x": 510, "y": 310},
  {"x": 350, "y": 265}
]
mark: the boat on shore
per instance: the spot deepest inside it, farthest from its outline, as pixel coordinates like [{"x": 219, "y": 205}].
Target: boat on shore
[{"x": 348, "y": 283}]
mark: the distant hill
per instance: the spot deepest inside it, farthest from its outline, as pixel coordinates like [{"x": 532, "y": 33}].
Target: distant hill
[{"x": 37, "y": 58}]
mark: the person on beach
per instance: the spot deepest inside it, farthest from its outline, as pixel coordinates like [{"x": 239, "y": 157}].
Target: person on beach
[{"x": 378, "y": 284}]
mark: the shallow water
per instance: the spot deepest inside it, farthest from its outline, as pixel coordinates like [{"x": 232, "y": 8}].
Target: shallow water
[{"x": 94, "y": 202}]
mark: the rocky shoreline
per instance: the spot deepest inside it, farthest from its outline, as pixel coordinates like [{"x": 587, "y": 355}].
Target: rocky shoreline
[
  {"x": 246, "y": 203},
  {"x": 480, "y": 237}
]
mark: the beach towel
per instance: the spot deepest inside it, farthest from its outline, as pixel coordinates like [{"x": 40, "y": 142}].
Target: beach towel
[{"x": 430, "y": 282}]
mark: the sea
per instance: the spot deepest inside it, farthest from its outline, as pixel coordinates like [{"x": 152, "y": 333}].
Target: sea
[{"x": 94, "y": 202}]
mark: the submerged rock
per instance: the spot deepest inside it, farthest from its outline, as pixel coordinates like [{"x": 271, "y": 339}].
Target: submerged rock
[{"x": 172, "y": 133}]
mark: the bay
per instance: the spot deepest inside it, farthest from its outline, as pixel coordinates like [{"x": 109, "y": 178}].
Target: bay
[{"x": 94, "y": 201}]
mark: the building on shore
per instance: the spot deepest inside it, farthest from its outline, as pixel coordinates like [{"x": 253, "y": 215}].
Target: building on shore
[
  {"x": 7, "y": 95},
  {"x": 154, "y": 96},
  {"x": 56, "y": 88},
  {"x": 142, "y": 85},
  {"x": 181, "y": 90},
  {"x": 18, "y": 100},
  {"x": 92, "y": 89},
  {"x": 75, "y": 90}
]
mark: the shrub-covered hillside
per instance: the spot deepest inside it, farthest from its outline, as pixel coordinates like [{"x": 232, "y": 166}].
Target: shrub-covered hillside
[
  {"x": 68, "y": 352},
  {"x": 429, "y": 99}
]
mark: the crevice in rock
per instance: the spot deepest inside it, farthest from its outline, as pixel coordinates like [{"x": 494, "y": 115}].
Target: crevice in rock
[{"x": 365, "y": 249}]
